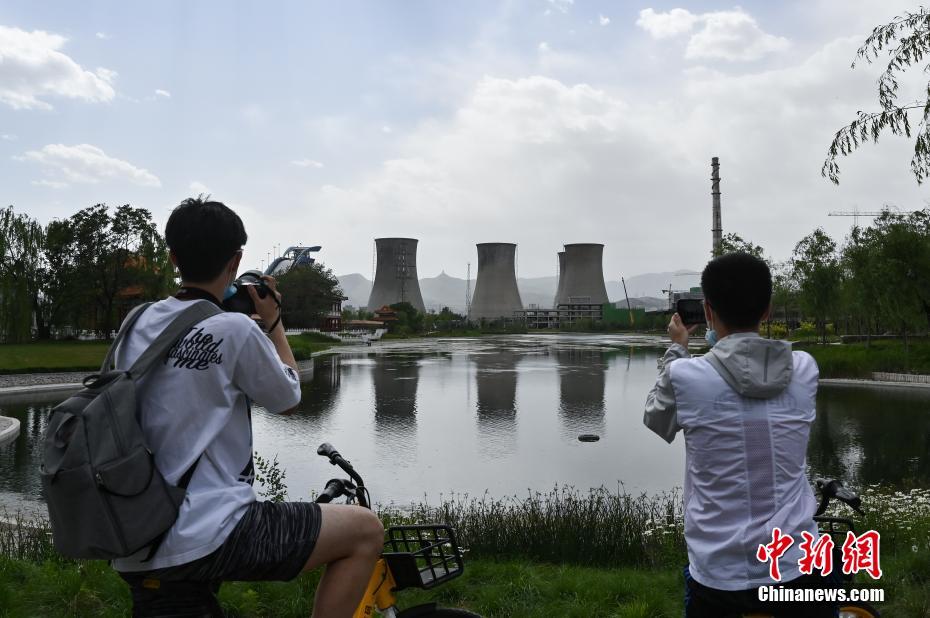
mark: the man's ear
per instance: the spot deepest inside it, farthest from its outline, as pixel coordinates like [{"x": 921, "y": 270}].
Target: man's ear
[
  {"x": 173, "y": 258},
  {"x": 708, "y": 313}
]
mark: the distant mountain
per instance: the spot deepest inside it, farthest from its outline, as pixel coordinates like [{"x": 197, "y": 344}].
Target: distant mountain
[
  {"x": 444, "y": 291},
  {"x": 356, "y": 287}
]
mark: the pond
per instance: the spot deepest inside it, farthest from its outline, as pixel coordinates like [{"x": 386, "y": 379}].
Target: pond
[{"x": 502, "y": 415}]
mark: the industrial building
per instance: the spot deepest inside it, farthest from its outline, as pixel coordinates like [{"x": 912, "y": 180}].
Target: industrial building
[
  {"x": 496, "y": 294},
  {"x": 396, "y": 278}
]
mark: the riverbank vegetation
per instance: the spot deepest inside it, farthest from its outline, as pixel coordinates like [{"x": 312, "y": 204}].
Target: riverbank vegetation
[
  {"x": 860, "y": 360},
  {"x": 561, "y": 553},
  {"x": 55, "y": 356}
]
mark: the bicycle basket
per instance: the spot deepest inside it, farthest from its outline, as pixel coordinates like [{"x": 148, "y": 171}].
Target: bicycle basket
[{"x": 422, "y": 556}]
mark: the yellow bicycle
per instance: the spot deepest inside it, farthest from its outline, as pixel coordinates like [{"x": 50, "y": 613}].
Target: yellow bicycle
[{"x": 421, "y": 556}]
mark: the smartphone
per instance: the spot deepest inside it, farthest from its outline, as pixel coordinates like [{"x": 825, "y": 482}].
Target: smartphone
[{"x": 691, "y": 311}]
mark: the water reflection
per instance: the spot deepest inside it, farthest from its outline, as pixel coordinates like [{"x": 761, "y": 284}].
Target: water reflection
[
  {"x": 428, "y": 416},
  {"x": 872, "y": 435},
  {"x": 582, "y": 378},
  {"x": 496, "y": 408},
  {"x": 394, "y": 382},
  {"x": 320, "y": 396},
  {"x": 19, "y": 460}
]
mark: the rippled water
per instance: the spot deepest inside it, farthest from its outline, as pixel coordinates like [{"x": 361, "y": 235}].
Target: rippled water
[{"x": 503, "y": 414}]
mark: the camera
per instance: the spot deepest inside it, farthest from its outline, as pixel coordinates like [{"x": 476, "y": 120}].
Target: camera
[{"x": 237, "y": 299}]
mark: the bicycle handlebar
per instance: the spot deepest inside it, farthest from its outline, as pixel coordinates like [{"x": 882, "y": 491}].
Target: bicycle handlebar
[
  {"x": 327, "y": 450},
  {"x": 834, "y": 488},
  {"x": 334, "y": 489}
]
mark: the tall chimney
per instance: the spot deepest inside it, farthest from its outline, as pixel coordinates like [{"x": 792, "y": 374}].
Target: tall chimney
[{"x": 717, "y": 228}]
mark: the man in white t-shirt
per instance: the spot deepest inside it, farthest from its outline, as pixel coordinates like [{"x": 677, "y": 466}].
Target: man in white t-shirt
[
  {"x": 195, "y": 410},
  {"x": 746, "y": 409}
]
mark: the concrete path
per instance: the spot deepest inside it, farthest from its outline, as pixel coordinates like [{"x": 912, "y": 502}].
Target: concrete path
[
  {"x": 38, "y": 386},
  {"x": 872, "y": 383},
  {"x": 9, "y": 430}
]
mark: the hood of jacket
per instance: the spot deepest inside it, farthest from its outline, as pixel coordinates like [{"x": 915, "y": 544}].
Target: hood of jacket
[{"x": 753, "y": 366}]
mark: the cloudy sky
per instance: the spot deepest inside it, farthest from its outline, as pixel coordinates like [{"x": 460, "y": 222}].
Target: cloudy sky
[{"x": 539, "y": 122}]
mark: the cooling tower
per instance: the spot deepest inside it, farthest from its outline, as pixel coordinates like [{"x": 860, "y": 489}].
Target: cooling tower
[
  {"x": 583, "y": 281},
  {"x": 396, "y": 275},
  {"x": 496, "y": 294}
]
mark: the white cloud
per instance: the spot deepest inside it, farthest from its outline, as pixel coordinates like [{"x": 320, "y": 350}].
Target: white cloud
[
  {"x": 723, "y": 35},
  {"x": 198, "y": 188},
  {"x": 52, "y": 184},
  {"x": 307, "y": 163},
  {"x": 562, "y": 6},
  {"x": 733, "y": 36},
  {"x": 102, "y": 36},
  {"x": 163, "y": 93},
  {"x": 32, "y": 67},
  {"x": 543, "y": 47},
  {"x": 7, "y": 137},
  {"x": 387, "y": 129},
  {"x": 603, "y": 20},
  {"x": 541, "y": 162},
  {"x": 666, "y": 25},
  {"x": 86, "y": 164}
]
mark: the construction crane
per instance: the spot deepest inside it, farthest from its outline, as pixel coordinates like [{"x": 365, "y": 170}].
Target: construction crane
[{"x": 856, "y": 213}]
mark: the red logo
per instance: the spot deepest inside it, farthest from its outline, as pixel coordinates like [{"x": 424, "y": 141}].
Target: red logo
[{"x": 771, "y": 552}]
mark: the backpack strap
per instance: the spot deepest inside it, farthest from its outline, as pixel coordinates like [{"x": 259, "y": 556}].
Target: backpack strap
[
  {"x": 197, "y": 312},
  {"x": 109, "y": 362},
  {"x": 183, "y": 482}
]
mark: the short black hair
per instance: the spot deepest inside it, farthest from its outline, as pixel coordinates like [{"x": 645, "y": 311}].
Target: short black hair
[
  {"x": 738, "y": 286},
  {"x": 203, "y": 235}
]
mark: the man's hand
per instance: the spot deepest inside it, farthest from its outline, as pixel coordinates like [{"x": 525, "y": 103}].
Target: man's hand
[
  {"x": 678, "y": 332},
  {"x": 267, "y": 308}
]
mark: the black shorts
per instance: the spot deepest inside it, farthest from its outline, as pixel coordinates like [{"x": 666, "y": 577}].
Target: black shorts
[
  {"x": 704, "y": 602},
  {"x": 272, "y": 542}
]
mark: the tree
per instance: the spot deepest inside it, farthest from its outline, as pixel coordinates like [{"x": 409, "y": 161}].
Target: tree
[
  {"x": 734, "y": 243},
  {"x": 21, "y": 239},
  {"x": 784, "y": 291},
  {"x": 409, "y": 320},
  {"x": 115, "y": 254},
  {"x": 308, "y": 293},
  {"x": 816, "y": 269},
  {"x": 907, "y": 40}
]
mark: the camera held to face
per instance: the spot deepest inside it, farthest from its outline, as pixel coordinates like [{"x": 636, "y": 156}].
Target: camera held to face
[{"x": 237, "y": 299}]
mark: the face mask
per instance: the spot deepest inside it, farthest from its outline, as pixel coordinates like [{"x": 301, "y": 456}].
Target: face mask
[{"x": 711, "y": 337}]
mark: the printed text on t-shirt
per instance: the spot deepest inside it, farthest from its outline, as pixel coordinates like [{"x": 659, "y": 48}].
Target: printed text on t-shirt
[{"x": 196, "y": 351}]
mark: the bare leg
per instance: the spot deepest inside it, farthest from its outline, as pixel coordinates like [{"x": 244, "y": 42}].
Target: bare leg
[{"x": 349, "y": 544}]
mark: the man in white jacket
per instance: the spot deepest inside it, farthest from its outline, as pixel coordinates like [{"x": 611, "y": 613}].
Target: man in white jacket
[{"x": 746, "y": 408}]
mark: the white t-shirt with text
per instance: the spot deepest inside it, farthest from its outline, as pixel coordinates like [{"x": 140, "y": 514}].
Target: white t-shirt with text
[{"x": 198, "y": 402}]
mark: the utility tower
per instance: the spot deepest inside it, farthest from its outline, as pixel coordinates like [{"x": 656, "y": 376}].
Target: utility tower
[
  {"x": 468, "y": 290},
  {"x": 717, "y": 228}
]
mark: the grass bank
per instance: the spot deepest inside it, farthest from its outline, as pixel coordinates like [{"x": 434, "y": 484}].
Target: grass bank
[
  {"x": 857, "y": 360},
  {"x": 563, "y": 553},
  {"x": 55, "y": 356}
]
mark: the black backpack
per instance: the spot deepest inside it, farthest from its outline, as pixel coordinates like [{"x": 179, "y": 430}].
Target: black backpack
[{"x": 106, "y": 499}]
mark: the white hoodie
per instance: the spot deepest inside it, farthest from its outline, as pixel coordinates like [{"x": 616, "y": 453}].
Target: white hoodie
[{"x": 746, "y": 409}]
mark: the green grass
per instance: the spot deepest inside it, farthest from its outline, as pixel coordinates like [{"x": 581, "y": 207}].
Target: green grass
[
  {"x": 53, "y": 356},
  {"x": 491, "y": 588},
  {"x": 856, "y": 360},
  {"x": 506, "y": 574},
  {"x": 306, "y": 344}
]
